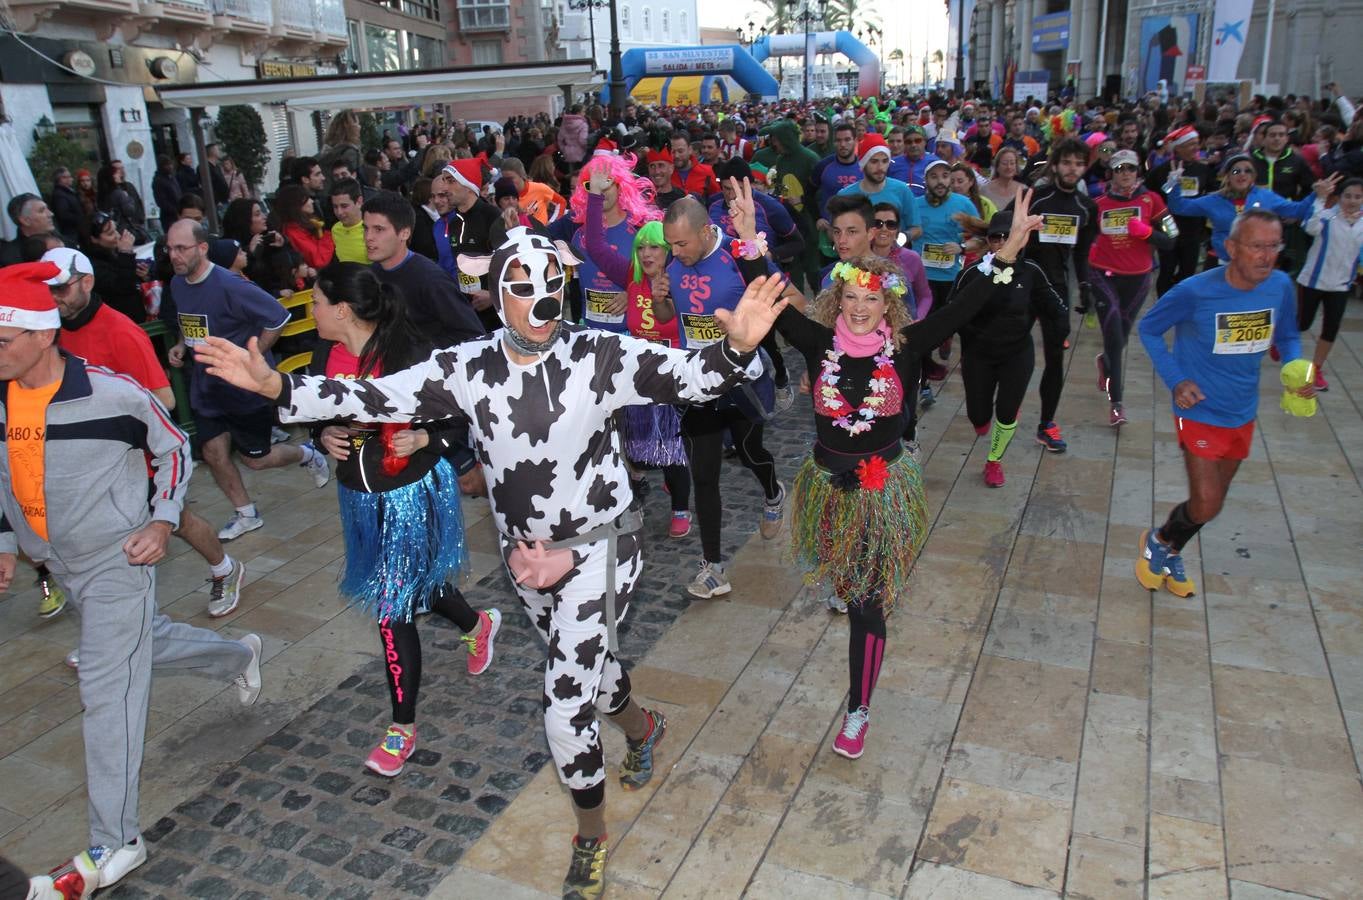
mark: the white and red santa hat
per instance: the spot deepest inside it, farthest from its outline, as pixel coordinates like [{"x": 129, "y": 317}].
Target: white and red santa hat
[
  {"x": 25, "y": 301},
  {"x": 606, "y": 147},
  {"x": 870, "y": 145},
  {"x": 1180, "y": 136},
  {"x": 468, "y": 172}
]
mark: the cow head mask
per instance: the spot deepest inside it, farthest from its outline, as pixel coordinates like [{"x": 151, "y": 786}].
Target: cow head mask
[{"x": 526, "y": 277}]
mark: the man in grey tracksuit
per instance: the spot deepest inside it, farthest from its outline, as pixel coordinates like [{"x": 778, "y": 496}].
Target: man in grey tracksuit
[{"x": 80, "y": 465}]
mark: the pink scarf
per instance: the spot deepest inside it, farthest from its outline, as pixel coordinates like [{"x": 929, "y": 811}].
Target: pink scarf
[{"x": 860, "y": 344}]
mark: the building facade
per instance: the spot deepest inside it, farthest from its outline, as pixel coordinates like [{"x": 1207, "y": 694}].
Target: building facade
[
  {"x": 1127, "y": 47},
  {"x": 643, "y": 23}
]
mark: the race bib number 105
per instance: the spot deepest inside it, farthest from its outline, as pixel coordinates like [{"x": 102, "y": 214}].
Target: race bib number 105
[
  {"x": 700, "y": 330},
  {"x": 1244, "y": 332}
]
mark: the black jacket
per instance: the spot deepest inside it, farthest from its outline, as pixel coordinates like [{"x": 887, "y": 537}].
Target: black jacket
[
  {"x": 1005, "y": 322},
  {"x": 68, "y": 214},
  {"x": 116, "y": 281},
  {"x": 1289, "y": 176}
]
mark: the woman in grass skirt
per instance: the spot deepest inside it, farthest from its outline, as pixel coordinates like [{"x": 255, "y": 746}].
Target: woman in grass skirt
[
  {"x": 860, "y": 517},
  {"x": 399, "y": 501}
]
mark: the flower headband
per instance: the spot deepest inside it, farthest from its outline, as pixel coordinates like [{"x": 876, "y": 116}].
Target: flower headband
[{"x": 889, "y": 283}]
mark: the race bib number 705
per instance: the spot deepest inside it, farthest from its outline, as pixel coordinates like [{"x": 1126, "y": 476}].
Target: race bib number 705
[
  {"x": 1059, "y": 229},
  {"x": 1244, "y": 332}
]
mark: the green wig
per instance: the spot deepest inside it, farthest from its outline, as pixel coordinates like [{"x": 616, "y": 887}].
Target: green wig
[{"x": 649, "y": 235}]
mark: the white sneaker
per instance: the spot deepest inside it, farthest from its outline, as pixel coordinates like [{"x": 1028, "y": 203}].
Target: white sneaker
[
  {"x": 226, "y": 591},
  {"x": 239, "y": 525},
  {"x": 835, "y": 604},
  {"x": 97, "y": 868},
  {"x": 709, "y": 582},
  {"x": 785, "y": 398},
  {"x": 321, "y": 472},
  {"x": 914, "y": 450},
  {"x": 73, "y": 659},
  {"x": 279, "y": 435},
  {"x": 248, "y": 682}
]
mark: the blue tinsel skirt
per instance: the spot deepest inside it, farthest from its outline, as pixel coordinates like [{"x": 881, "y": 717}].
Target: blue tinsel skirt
[
  {"x": 401, "y": 545},
  {"x": 653, "y": 435}
]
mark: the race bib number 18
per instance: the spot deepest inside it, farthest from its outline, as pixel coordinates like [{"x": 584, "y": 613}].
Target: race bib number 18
[
  {"x": 1059, "y": 229},
  {"x": 1114, "y": 221},
  {"x": 1244, "y": 332}
]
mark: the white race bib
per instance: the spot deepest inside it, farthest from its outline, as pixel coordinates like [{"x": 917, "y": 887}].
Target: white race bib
[{"x": 1244, "y": 332}]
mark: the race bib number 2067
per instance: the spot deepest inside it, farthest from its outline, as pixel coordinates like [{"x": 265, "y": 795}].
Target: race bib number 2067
[{"x": 1244, "y": 332}]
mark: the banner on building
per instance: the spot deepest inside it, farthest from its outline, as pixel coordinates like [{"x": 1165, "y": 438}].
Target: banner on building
[
  {"x": 1051, "y": 32},
  {"x": 688, "y": 62},
  {"x": 1031, "y": 84},
  {"x": 1168, "y": 44},
  {"x": 1230, "y": 24}
]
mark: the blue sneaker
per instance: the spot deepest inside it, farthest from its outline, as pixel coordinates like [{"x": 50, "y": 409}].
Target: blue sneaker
[
  {"x": 637, "y": 769},
  {"x": 1150, "y": 565},
  {"x": 1048, "y": 436},
  {"x": 1176, "y": 580},
  {"x": 926, "y": 398}
]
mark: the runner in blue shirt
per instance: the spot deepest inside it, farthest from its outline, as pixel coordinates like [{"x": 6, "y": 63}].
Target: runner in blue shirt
[
  {"x": 832, "y": 174},
  {"x": 1224, "y": 321},
  {"x": 876, "y": 187},
  {"x": 940, "y": 247}
]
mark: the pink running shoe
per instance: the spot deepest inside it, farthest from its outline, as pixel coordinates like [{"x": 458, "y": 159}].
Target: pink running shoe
[
  {"x": 851, "y": 741},
  {"x": 993, "y": 474},
  {"x": 681, "y": 524},
  {"x": 1116, "y": 415},
  {"x": 480, "y": 645},
  {"x": 1321, "y": 383},
  {"x": 391, "y": 754}
]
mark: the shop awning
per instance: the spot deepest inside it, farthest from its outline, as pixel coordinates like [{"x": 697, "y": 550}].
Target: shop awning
[{"x": 378, "y": 90}]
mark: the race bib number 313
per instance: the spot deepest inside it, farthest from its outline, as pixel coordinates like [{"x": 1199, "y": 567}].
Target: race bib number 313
[
  {"x": 1244, "y": 332},
  {"x": 194, "y": 328},
  {"x": 1059, "y": 229}
]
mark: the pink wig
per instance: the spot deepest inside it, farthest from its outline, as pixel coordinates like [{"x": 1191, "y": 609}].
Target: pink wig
[{"x": 636, "y": 192}]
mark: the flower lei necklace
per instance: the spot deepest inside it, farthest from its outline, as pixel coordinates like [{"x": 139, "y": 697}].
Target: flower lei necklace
[{"x": 858, "y": 420}]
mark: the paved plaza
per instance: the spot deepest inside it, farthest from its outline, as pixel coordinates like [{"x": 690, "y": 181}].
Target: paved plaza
[{"x": 1043, "y": 726}]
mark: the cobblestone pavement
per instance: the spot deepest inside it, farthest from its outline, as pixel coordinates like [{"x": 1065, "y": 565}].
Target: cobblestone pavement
[{"x": 300, "y": 815}]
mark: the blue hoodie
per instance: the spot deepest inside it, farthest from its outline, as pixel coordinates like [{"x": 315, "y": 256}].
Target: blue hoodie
[{"x": 1221, "y": 210}]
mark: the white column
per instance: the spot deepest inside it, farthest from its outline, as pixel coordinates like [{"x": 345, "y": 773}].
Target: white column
[
  {"x": 1087, "y": 32},
  {"x": 130, "y": 141},
  {"x": 1027, "y": 60},
  {"x": 995, "y": 43}
]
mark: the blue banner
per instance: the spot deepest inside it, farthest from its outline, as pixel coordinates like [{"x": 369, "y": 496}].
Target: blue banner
[
  {"x": 1051, "y": 32},
  {"x": 1168, "y": 44}
]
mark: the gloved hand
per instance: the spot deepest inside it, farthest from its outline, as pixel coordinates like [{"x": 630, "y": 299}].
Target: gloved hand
[{"x": 1138, "y": 229}]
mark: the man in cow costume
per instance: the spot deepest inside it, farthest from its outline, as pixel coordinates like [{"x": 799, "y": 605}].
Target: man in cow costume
[{"x": 541, "y": 394}]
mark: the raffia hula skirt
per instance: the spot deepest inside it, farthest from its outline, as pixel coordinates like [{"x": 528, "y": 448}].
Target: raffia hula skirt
[
  {"x": 860, "y": 531},
  {"x": 401, "y": 545}
]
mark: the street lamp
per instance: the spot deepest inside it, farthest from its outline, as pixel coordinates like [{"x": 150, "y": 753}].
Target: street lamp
[
  {"x": 960, "y": 48},
  {"x": 807, "y": 17},
  {"x": 616, "y": 75}
]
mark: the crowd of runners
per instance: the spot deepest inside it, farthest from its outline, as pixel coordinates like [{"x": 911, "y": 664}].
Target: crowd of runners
[{"x": 546, "y": 313}]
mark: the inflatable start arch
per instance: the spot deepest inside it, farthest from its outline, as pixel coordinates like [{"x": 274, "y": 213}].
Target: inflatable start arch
[
  {"x": 712, "y": 62},
  {"x": 844, "y": 42}
]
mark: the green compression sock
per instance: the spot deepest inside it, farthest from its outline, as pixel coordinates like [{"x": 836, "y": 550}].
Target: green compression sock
[{"x": 999, "y": 439}]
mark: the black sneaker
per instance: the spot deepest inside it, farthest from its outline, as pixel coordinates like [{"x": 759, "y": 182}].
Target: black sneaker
[{"x": 586, "y": 878}]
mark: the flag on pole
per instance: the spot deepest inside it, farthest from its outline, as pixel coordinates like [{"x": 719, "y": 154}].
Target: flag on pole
[{"x": 1229, "y": 27}]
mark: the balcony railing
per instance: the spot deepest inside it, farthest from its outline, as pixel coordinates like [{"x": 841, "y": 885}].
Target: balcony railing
[
  {"x": 251, "y": 10},
  {"x": 294, "y": 14},
  {"x": 330, "y": 17},
  {"x": 200, "y": 5}
]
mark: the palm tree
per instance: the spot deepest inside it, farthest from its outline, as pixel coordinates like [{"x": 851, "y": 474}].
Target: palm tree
[
  {"x": 939, "y": 59},
  {"x": 849, "y": 15},
  {"x": 780, "y": 15}
]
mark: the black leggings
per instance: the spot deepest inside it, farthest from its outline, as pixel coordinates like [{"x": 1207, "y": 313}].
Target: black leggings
[
  {"x": 1053, "y": 375},
  {"x": 865, "y": 652},
  {"x": 995, "y": 382},
  {"x": 1310, "y": 299},
  {"x": 778, "y": 363},
  {"x": 402, "y": 650},
  {"x": 1117, "y": 299},
  {"x": 1180, "y": 262},
  {"x": 678, "y": 481},
  {"x": 703, "y": 430}
]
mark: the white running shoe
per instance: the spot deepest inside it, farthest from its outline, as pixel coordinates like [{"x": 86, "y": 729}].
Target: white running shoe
[
  {"x": 279, "y": 435},
  {"x": 321, "y": 472},
  {"x": 709, "y": 582},
  {"x": 97, "y": 868},
  {"x": 239, "y": 525},
  {"x": 835, "y": 604},
  {"x": 73, "y": 659},
  {"x": 226, "y": 591},
  {"x": 248, "y": 682}
]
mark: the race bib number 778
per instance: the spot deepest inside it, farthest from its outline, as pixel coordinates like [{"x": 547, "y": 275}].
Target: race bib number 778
[{"x": 1244, "y": 332}]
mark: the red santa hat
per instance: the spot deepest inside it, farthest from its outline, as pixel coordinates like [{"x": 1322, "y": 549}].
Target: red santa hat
[
  {"x": 1180, "y": 136},
  {"x": 663, "y": 155},
  {"x": 468, "y": 172},
  {"x": 870, "y": 146},
  {"x": 28, "y": 303},
  {"x": 605, "y": 147}
]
